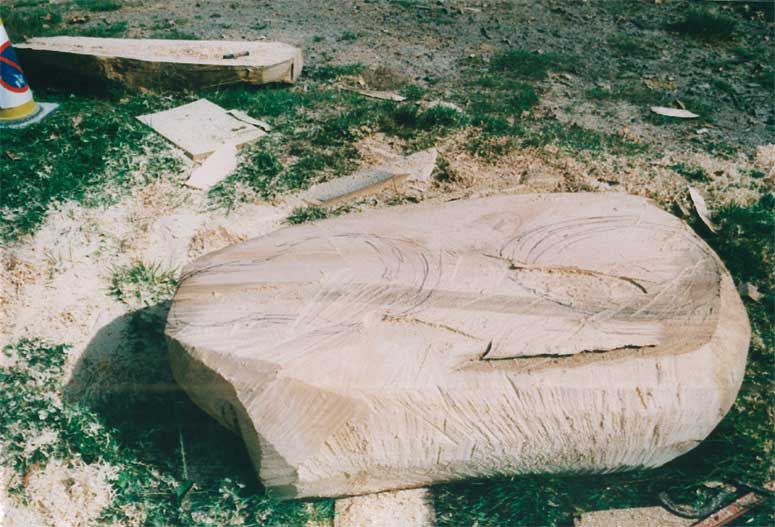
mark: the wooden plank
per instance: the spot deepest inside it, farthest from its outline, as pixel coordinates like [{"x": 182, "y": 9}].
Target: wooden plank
[
  {"x": 413, "y": 345},
  {"x": 147, "y": 64},
  {"x": 635, "y": 517},
  {"x": 214, "y": 169},
  {"x": 201, "y": 127},
  {"x": 416, "y": 168}
]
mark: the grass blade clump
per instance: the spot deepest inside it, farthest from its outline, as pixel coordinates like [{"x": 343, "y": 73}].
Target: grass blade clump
[{"x": 706, "y": 24}]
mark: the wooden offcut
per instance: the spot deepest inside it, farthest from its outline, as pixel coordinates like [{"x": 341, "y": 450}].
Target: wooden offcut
[
  {"x": 201, "y": 127},
  {"x": 416, "y": 169},
  {"x": 147, "y": 64},
  {"x": 636, "y": 517},
  {"x": 214, "y": 169},
  {"x": 544, "y": 333}
]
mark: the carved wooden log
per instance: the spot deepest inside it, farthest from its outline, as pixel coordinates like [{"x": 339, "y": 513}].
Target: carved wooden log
[
  {"x": 507, "y": 335},
  {"x": 146, "y": 64}
]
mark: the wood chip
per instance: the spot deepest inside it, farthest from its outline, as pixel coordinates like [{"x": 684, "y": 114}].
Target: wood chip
[
  {"x": 635, "y": 517},
  {"x": 417, "y": 168},
  {"x": 749, "y": 290},
  {"x": 674, "y": 112},
  {"x": 200, "y": 127},
  {"x": 214, "y": 169},
  {"x": 702, "y": 209},
  {"x": 383, "y": 95},
  {"x": 402, "y": 508}
]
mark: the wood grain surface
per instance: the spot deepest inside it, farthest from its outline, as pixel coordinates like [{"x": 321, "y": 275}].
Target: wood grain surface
[
  {"x": 505, "y": 335},
  {"x": 147, "y": 64}
]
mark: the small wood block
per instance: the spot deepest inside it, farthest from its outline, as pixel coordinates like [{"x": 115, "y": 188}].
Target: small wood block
[
  {"x": 636, "y": 517},
  {"x": 214, "y": 169},
  {"x": 200, "y": 127},
  {"x": 416, "y": 167}
]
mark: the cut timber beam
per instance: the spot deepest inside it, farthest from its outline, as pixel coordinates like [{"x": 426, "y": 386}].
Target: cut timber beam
[{"x": 145, "y": 64}]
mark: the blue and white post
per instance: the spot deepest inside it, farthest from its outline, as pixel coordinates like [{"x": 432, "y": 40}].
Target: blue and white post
[{"x": 17, "y": 106}]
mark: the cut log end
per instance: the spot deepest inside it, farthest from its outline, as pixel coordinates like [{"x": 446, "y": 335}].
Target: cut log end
[{"x": 89, "y": 63}]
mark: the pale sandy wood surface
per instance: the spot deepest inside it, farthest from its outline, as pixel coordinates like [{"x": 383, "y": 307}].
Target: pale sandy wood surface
[
  {"x": 222, "y": 162},
  {"x": 148, "y": 64},
  {"x": 504, "y": 335},
  {"x": 401, "y": 508},
  {"x": 201, "y": 127},
  {"x": 637, "y": 517},
  {"x": 413, "y": 169}
]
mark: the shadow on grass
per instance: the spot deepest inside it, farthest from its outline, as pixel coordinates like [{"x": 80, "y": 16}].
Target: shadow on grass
[
  {"x": 125, "y": 377},
  {"x": 177, "y": 463}
]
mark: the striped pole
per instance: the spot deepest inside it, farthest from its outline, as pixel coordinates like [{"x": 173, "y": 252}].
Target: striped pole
[{"x": 16, "y": 102}]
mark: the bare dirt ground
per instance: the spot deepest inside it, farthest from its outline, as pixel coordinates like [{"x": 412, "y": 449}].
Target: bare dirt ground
[{"x": 428, "y": 42}]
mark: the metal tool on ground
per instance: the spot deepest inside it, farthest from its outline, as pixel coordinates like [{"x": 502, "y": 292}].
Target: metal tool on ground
[
  {"x": 236, "y": 55},
  {"x": 714, "y": 513},
  {"x": 742, "y": 505},
  {"x": 17, "y": 106}
]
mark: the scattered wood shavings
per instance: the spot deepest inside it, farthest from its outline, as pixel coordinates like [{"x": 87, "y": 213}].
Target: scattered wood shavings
[
  {"x": 673, "y": 112},
  {"x": 749, "y": 290},
  {"x": 383, "y": 95},
  {"x": 201, "y": 127},
  {"x": 701, "y": 209}
]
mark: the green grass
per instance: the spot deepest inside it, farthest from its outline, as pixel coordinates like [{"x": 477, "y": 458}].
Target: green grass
[
  {"x": 174, "y": 34},
  {"x": 326, "y": 72},
  {"x": 143, "y": 285},
  {"x": 575, "y": 137},
  {"x": 498, "y": 99},
  {"x": 90, "y": 150},
  {"x": 634, "y": 92},
  {"x": 412, "y": 92},
  {"x": 313, "y": 136},
  {"x": 706, "y": 24},
  {"x": 153, "y": 438},
  {"x": 499, "y": 106},
  {"x": 347, "y": 36},
  {"x": 691, "y": 173},
  {"x": 628, "y": 46},
  {"x": 522, "y": 64},
  {"x": 33, "y": 19},
  {"x": 23, "y": 22},
  {"x": 307, "y": 214},
  {"x": 100, "y": 5},
  {"x": 115, "y": 29}
]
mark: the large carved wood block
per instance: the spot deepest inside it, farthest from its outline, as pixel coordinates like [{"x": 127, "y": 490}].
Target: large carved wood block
[
  {"x": 148, "y": 64},
  {"x": 506, "y": 335}
]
